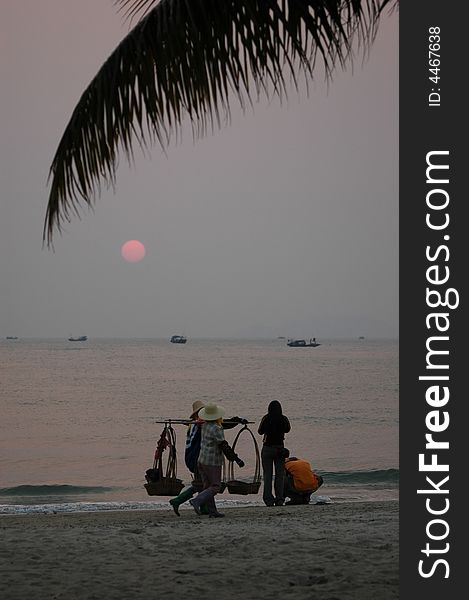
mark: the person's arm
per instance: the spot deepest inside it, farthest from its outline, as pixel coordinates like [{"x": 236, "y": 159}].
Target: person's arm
[
  {"x": 261, "y": 429},
  {"x": 234, "y": 422},
  {"x": 230, "y": 453},
  {"x": 287, "y": 424},
  {"x": 218, "y": 434}
]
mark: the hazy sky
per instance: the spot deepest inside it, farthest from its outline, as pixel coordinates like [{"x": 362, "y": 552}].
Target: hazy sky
[{"x": 284, "y": 223}]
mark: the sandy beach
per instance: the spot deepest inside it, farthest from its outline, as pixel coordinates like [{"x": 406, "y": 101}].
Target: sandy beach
[{"x": 332, "y": 552}]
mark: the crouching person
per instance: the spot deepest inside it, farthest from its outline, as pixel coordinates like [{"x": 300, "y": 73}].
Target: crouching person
[{"x": 300, "y": 481}]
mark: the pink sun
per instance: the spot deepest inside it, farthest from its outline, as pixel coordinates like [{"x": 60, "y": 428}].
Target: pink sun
[{"x": 133, "y": 251}]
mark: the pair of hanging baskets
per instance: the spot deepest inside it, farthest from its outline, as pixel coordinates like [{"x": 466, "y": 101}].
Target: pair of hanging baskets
[
  {"x": 164, "y": 482},
  {"x": 236, "y": 486}
]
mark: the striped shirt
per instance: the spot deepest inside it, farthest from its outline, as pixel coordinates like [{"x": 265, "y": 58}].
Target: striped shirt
[{"x": 210, "y": 451}]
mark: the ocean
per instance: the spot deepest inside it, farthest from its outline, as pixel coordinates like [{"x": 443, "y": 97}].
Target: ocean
[{"x": 80, "y": 420}]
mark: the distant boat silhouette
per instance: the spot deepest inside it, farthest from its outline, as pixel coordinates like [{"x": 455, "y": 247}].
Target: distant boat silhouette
[
  {"x": 303, "y": 344},
  {"x": 178, "y": 339},
  {"x": 11, "y": 337},
  {"x": 80, "y": 338}
]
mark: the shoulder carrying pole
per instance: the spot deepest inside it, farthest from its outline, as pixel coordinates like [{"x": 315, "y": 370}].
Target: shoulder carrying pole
[{"x": 189, "y": 421}]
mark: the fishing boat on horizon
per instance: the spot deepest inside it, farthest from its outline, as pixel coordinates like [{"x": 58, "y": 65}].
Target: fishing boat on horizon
[
  {"x": 79, "y": 338},
  {"x": 303, "y": 343},
  {"x": 178, "y": 339}
]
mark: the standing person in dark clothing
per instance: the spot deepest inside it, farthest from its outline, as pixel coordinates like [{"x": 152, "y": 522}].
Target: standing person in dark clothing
[{"x": 273, "y": 426}]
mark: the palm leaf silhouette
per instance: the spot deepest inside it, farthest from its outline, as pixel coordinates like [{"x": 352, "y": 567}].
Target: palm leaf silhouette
[{"x": 190, "y": 59}]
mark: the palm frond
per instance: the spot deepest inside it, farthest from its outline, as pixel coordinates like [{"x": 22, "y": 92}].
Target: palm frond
[
  {"x": 133, "y": 8},
  {"x": 191, "y": 59}
]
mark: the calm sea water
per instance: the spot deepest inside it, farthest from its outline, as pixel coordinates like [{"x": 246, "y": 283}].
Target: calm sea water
[{"x": 79, "y": 419}]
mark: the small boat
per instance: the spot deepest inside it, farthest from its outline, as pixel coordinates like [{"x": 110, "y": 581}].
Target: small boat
[
  {"x": 178, "y": 339},
  {"x": 11, "y": 337},
  {"x": 362, "y": 337},
  {"x": 80, "y": 338},
  {"x": 303, "y": 343}
]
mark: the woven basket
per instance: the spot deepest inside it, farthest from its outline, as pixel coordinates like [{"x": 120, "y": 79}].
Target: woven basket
[
  {"x": 163, "y": 481},
  {"x": 167, "y": 486},
  {"x": 235, "y": 486},
  {"x": 243, "y": 487}
]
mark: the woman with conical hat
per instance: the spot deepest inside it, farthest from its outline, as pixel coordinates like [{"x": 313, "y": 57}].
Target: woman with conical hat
[
  {"x": 192, "y": 450},
  {"x": 210, "y": 459}
]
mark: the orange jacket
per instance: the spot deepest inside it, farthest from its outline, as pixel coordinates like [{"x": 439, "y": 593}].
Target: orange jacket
[{"x": 304, "y": 479}]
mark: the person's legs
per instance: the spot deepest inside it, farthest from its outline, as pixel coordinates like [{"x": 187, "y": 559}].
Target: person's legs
[
  {"x": 298, "y": 497},
  {"x": 211, "y": 479},
  {"x": 176, "y": 502},
  {"x": 198, "y": 486},
  {"x": 288, "y": 487},
  {"x": 295, "y": 498},
  {"x": 213, "y": 482},
  {"x": 279, "y": 463},
  {"x": 267, "y": 456}
]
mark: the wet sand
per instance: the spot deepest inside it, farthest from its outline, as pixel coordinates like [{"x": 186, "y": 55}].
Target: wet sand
[{"x": 330, "y": 552}]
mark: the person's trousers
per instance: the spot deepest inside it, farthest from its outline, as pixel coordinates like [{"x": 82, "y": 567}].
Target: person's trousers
[
  {"x": 296, "y": 496},
  {"x": 272, "y": 461},
  {"x": 211, "y": 481}
]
